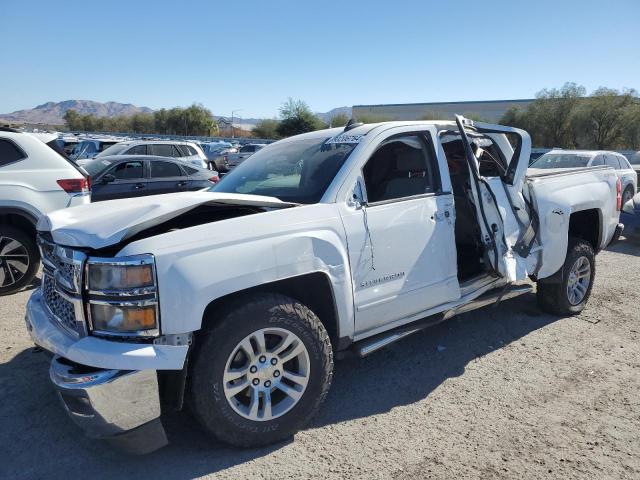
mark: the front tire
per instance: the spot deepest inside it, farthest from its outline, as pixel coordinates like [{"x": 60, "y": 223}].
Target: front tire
[
  {"x": 19, "y": 259},
  {"x": 567, "y": 291},
  {"x": 261, "y": 372}
]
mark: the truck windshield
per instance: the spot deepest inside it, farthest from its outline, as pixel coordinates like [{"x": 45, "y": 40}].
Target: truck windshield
[
  {"x": 560, "y": 160},
  {"x": 297, "y": 171}
]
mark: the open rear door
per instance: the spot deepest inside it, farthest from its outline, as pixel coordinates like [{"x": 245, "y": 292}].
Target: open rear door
[{"x": 502, "y": 213}]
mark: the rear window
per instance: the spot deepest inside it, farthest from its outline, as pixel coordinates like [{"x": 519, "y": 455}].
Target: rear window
[
  {"x": 192, "y": 151},
  {"x": 10, "y": 153},
  {"x": 561, "y": 160},
  {"x": 104, "y": 145}
]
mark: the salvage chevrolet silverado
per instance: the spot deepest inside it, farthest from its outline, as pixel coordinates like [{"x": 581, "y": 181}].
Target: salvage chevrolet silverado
[{"x": 235, "y": 301}]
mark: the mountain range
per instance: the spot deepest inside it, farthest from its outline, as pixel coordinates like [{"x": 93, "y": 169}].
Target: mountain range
[{"x": 52, "y": 113}]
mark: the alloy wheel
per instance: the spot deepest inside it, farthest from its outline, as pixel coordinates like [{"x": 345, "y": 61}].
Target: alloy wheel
[
  {"x": 266, "y": 374},
  {"x": 14, "y": 261},
  {"x": 579, "y": 280}
]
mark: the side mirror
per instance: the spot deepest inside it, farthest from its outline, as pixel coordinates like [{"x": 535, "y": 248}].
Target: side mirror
[{"x": 108, "y": 178}]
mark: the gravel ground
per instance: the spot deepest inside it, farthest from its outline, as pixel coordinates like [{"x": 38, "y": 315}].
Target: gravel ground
[{"x": 497, "y": 393}]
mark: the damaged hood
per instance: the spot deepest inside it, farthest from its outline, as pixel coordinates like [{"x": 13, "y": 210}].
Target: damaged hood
[{"x": 99, "y": 225}]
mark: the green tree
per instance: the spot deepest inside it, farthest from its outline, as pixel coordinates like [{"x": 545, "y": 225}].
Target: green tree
[
  {"x": 339, "y": 120},
  {"x": 600, "y": 117},
  {"x": 267, "y": 128},
  {"x": 296, "y": 117},
  {"x": 72, "y": 120}
]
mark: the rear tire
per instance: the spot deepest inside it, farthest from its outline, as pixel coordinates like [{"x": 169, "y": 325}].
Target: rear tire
[
  {"x": 568, "y": 290},
  {"x": 235, "y": 365},
  {"x": 627, "y": 194},
  {"x": 19, "y": 259}
]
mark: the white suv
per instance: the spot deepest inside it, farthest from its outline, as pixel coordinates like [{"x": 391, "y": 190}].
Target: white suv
[
  {"x": 34, "y": 180},
  {"x": 185, "y": 151}
]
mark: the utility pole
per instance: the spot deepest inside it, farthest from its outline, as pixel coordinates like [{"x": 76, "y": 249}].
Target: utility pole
[{"x": 232, "y": 117}]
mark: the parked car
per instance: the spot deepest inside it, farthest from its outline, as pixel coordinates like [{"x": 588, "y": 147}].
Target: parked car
[
  {"x": 217, "y": 154},
  {"x": 335, "y": 241},
  {"x": 244, "y": 152},
  {"x": 634, "y": 160},
  {"x": 67, "y": 144},
  {"x": 125, "y": 176},
  {"x": 34, "y": 180},
  {"x": 186, "y": 151},
  {"x": 586, "y": 158},
  {"x": 89, "y": 148}
]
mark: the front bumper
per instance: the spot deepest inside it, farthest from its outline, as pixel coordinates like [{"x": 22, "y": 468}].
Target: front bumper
[{"x": 117, "y": 405}]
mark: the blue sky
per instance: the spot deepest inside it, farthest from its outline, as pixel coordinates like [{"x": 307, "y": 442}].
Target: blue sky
[{"x": 252, "y": 55}]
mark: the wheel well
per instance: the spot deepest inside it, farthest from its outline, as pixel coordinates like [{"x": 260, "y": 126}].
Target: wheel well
[
  {"x": 313, "y": 290},
  {"x": 18, "y": 220},
  {"x": 585, "y": 224}
]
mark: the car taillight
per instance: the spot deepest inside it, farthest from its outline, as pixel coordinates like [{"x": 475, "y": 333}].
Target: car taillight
[
  {"x": 214, "y": 179},
  {"x": 618, "y": 195},
  {"x": 225, "y": 158},
  {"x": 75, "y": 185}
]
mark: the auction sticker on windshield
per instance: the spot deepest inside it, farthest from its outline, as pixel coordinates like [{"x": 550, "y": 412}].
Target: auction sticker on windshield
[{"x": 344, "y": 138}]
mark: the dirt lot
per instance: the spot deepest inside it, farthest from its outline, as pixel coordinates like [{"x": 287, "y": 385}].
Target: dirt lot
[{"x": 499, "y": 393}]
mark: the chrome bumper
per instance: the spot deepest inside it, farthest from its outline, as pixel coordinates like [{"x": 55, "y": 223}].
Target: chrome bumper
[{"x": 121, "y": 406}]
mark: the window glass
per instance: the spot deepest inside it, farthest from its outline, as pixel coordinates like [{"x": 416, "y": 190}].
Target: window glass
[
  {"x": 165, "y": 169},
  {"x": 561, "y": 160},
  {"x": 160, "y": 149},
  {"x": 624, "y": 163},
  {"x": 635, "y": 159},
  {"x": 190, "y": 170},
  {"x": 116, "y": 149},
  {"x": 298, "y": 170},
  {"x": 127, "y": 170},
  {"x": 9, "y": 153},
  {"x": 598, "y": 161},
  {"x": 246, "y": 149},
  {"x": 401, "y": 167},
  {"x": 138, "y": 150},
  {"x": 184, "y": 152},
  {"x": 613, "y": 162},
  {"x": 104, "y": 145},
  {"x": 192, "y": 151}
]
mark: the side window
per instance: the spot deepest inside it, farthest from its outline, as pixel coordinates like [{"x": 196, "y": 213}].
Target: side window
[
  {"x": 9, "y": 153},
  {"x": 165, "y": 169},
  {"x": 138, "y": 150},
  {"x": 401, "y": 167},
  {"x": 246, "y": 149},
  {"x": 190, "y": 170},
  {"x": 613, "y": 162},
  {"x": 191, "y": 150},
  {"x": 182, "y": 150},
  {"x": 160, "y": 149},
  {"x": 598, "y": 161},
  {"x": 128, "y": 170}
]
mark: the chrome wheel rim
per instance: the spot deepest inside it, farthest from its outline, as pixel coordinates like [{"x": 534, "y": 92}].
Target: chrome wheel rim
[
  {"x": 14, "y": 261},
  {"x": 579, "y": 279},
  {"x": 266, "y": 374}
]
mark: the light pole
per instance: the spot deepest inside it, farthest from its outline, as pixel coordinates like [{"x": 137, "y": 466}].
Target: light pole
[{"x": 232, "y": 117}]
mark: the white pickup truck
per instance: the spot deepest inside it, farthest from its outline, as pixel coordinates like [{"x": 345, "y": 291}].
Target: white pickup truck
[{"x": 235, "y": 301}]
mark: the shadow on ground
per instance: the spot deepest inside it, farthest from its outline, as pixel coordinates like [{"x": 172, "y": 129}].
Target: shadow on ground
[{"x": 38, "y": 439}]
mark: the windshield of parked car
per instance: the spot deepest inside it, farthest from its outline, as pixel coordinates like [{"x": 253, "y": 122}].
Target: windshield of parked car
[
  {"x": 116, "y": 149},
  {"x": 561, "y": 160},
  {"x": 297, "y": 171},
  {"x": 94, "y": 167}
]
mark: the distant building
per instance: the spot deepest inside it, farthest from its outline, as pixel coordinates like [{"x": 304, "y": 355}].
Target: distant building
[{"x": 490, "y": 110}]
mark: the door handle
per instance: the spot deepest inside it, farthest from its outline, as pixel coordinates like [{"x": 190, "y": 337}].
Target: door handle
[
  {"x": 138, "y": 186},
  {"x": 182, "y": 184}
]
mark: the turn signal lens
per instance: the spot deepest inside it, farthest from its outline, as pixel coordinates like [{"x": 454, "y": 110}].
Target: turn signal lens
[{"x": 121, "y": 319}]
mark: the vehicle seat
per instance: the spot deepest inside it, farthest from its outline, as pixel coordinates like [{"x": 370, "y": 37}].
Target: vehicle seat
[{"x": 409, "y": 176}]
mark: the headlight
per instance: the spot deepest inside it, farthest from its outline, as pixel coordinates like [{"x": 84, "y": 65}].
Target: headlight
[{"x": 123, "y": 298}]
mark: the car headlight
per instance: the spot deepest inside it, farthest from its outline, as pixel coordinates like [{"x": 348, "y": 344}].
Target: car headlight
[{"x": 123, "y": 296}]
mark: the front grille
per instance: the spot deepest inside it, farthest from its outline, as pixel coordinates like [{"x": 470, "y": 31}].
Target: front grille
[
  {"x": 61, "y": 285},
  {"x": 62, "y": 309}
]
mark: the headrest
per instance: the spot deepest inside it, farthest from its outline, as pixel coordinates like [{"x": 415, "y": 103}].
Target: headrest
[{"x": 410, "y": 161}]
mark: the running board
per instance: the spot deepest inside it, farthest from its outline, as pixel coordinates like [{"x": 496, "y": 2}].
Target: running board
[{"x": 369, "y": 345}]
